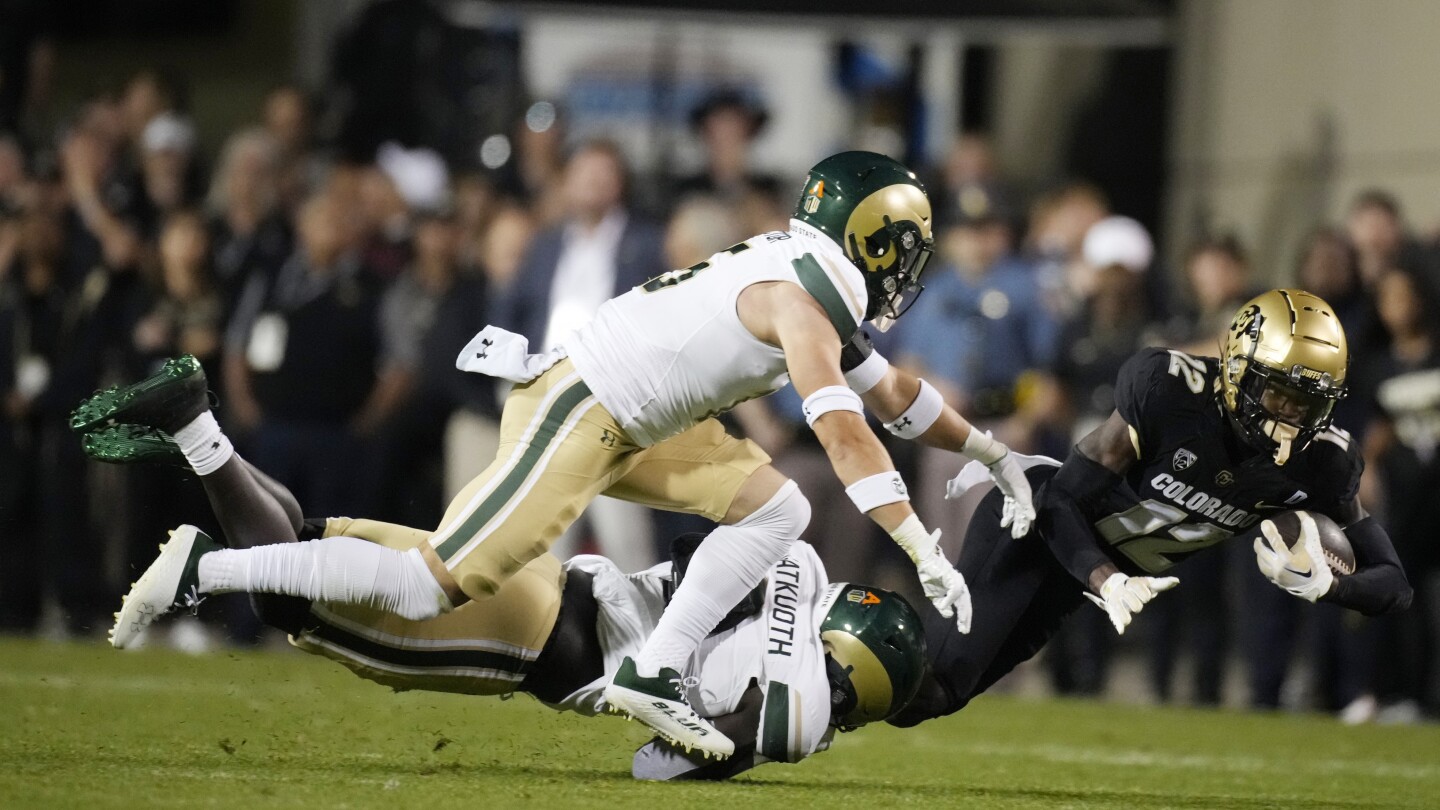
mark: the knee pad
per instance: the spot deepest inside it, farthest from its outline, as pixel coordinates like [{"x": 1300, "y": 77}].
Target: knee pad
[{"x": 787, "y": 512}]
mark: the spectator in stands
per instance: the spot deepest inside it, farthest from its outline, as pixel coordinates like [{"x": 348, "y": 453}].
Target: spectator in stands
[
  {"x": 1405, "y": 448},
  {"x": 1059, "y": 220},
  {"x": 301, "y": 356},
  {"x": 52, "y": 345},
  {"x": 597, "y": 252},
  {"x": 980, "y": 322},
  {"x": 167, "y": 170},
  {"x": 727, "y": 122},
  {"x": 1218, "y": 273},
  {"x": 418, "y": 367},
  {"x": 1377, "y": 231},
  {"x": 288, "y": 117},
  {"x": 1329, "y": 267},
  {"x": 250, "y": 234}
]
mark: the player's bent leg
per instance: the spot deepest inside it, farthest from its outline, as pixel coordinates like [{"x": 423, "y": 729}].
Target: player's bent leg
[
  {"x": 559, "y": 448},
  {"x": 704, "y": 471}
]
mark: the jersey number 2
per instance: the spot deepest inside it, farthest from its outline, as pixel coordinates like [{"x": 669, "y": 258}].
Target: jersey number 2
[{"x": 1189, "y": 369}]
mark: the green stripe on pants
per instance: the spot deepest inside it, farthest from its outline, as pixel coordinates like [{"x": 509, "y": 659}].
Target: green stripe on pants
[{"x": 559, "y": 411}]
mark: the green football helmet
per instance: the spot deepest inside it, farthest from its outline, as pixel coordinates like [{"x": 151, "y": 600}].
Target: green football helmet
[
  {"x": 877, "y": 211},
  {"x": 874, "y": 654}
]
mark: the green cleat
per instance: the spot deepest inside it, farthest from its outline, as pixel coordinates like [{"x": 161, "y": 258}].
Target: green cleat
[
  {"x": 172, "y": 581},
  {"x": 660, "y": 703},
  {"x": 132, "y": 444},
  {"x": 168, "y": 400}
]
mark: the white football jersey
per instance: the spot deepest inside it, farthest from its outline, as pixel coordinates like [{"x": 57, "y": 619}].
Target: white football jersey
[
  {"x": 666, "y": 355},
  {"x": 779, "y": 649}
]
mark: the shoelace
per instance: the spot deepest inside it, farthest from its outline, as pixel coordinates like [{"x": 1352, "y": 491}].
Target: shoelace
[
  {"x": 192, "y": 600},
  {"x": 682, "y": 684}
]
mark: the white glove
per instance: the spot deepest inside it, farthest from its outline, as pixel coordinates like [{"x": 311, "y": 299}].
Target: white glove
[
  {"x": 1018, "y": 513},
  {"x": 1122, "y": 597},
  {"x": 944, "y": 586},
  {"x": 1304, "y": 571}
]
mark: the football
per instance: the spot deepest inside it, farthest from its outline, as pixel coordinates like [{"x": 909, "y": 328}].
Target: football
[{"x": 1338, "y": 551}]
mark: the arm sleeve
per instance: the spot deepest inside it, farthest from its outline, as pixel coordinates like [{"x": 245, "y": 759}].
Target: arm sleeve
[
  {"x": 1378, "y": 584},
  {"x": 1061, "y": 516}
]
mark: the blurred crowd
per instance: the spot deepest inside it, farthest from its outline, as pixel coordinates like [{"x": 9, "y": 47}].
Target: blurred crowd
[{"x": 327, "y": 299}]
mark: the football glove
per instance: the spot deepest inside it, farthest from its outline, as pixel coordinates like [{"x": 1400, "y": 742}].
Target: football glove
[
  {"x": 1122, "y": 596},
  {"x": 1302, "y": 571},
  {"x": 1018, "y": 513},
  {"x": 944, "y": 586}
]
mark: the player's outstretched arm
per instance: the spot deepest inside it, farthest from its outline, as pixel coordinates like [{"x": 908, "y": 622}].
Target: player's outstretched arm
[
  {"x": 786, "y": 316},
  {"x": 911, "y": 408},
  {"x": 1093, "y": 468}
]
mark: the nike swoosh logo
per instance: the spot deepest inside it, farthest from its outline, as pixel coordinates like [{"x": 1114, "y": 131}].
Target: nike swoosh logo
[
  {"x": 1307, "y": 572},
  {"x": 1263, "y": 505}
]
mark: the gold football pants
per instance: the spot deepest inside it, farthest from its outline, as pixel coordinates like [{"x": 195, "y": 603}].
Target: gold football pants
[{"x": 559, "y": 448}]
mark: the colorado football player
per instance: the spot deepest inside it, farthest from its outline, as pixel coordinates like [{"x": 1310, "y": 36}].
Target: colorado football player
[
  {"x": 625, "y": 407},
  {"x": 1197, "y": 450}
]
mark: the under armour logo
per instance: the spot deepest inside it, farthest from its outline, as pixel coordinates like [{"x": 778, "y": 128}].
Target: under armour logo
[
  {"x": 607, "y": 438},
  {"x": 215, "y": 445},
  {"x": 485, "y": 352},
  {"x": 903, "y": 423}
]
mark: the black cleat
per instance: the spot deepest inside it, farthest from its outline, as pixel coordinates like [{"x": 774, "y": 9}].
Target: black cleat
[{"x": 168, "y": 400}]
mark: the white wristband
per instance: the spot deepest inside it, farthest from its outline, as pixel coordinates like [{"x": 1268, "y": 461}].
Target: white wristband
[
  {"x": 831, "y": 398},
  {"x": 921, "y": 414},
  {"x": 868, "y": 374},
  {"x": 878, "y": 490},
  {"x": 982, "y": 448},
  {"x": 912, "y": 537}
]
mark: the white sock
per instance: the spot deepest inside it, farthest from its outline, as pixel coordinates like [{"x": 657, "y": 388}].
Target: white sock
[
  {"x": 731, "y": 561},
  {"x": 204, "y": 446},
  {"x": 333, "y": 569}
]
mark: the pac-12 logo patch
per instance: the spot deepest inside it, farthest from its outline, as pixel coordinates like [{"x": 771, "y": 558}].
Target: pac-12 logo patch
[{"x": 1183, "y": 459}]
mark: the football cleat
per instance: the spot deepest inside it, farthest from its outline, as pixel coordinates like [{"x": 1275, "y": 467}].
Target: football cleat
[
  {"x": 168, "y": 399},
  {"x": 659, "y": 703},
  {"x": 132, "y": 444},
  {"x": 172, "y": 581}
]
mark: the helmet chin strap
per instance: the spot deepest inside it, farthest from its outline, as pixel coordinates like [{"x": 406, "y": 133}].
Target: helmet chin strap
[{"x": 1284, "y": 436}]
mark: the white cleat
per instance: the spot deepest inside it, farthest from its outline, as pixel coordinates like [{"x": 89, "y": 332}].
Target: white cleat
[
  {"x": 658, "y": 703},
  {"x": 171, "y": 581}
]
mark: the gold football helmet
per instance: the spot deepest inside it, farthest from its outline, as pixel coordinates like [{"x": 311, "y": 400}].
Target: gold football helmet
[{"x": 1284, "y": 368}]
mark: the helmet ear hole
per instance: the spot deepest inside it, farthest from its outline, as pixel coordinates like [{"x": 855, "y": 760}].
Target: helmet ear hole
[{"x": 877, "y": 244}]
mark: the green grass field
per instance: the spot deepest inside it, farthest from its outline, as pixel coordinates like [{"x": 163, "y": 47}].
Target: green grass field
[{"x": 85, "y": 726}]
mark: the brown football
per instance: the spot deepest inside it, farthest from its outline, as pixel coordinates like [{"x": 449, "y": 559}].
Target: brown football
[{"x": 1338, "y": 551}]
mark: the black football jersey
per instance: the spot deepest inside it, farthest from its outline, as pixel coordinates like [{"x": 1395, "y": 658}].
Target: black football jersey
[{"x": 1196, "y": 483}]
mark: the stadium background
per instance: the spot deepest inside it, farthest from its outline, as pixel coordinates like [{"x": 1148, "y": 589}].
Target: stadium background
[{"x": 323, "y": 200}]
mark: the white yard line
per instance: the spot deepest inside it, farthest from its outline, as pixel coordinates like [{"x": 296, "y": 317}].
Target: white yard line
[{"x": 1119, "y": 757}]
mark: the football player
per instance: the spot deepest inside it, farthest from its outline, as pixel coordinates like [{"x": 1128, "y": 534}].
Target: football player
[
  {"x": 1198, "y": 450},
  {"x": 797, "y": 659},
  {"x": 625, "y": 407}
]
